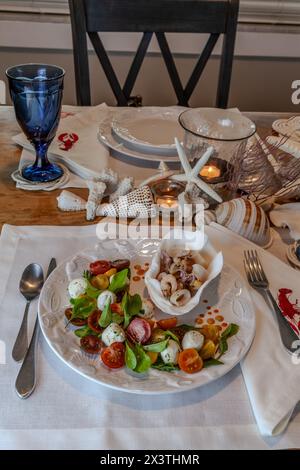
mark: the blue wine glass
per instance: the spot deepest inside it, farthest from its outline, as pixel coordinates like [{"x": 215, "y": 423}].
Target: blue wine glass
[{"x": 36, "y": 91}]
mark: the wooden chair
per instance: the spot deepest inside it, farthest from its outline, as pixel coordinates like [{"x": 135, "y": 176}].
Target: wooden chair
[{"x": 152, "y": 17}]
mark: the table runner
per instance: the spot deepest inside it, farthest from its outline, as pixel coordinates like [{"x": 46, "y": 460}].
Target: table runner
[{"x": 67, "y": 411}]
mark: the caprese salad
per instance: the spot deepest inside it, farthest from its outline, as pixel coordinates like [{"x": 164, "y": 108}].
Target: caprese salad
[{"x": 122, "y": 329}]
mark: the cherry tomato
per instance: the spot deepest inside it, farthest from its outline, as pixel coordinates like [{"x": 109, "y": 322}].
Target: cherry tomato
[
  {"x": 153, "y": 356},
  {"x": 76, "y": 321},
  {"x": 189, "y": 361},
  {"x": 120, "y": 264},
  {"x": 91, "y": 344},
  {"x": 99, "y": 267},
  {"x": 114, "y": 355},
  {"x": 167, "y": 323},
  {"x": 116, "y": 308},
  {"x": 139, "y": 331},
  {"x": 93, "y": 319}
]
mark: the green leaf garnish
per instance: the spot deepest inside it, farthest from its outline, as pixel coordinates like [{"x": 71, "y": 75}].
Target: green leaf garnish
[
  {"x": 172, "y": 335},
  {"x": 119, "y": 281},
  {"x": 157, "y": 347},
  {"x": 81, "y": 332},
  {"x": 106, "y": 316},
  {"x": 160, "y": 365},
  {"x": 82, "y": 307},
  {"x": 92, "y": 291},
  {"x": 131, "y": 305},
  {"x": 143, "y": 360},
  {"x": 231, "y": 330},
  {"x": 116, "y": 318},
  {"x": 212, "y": 362},
  {"x": 86, "y": 275},
  {"x": 130, "y": 358}
]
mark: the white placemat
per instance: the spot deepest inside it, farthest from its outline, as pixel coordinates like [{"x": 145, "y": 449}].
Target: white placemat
[{"x": 67, "y": 411}]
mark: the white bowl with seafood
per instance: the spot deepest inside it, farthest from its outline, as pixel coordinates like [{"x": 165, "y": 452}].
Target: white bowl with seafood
[{"x": 182, "y": 268}]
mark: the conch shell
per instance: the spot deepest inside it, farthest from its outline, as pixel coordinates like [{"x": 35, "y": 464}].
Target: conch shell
[
  {"x": 69, "y": 202},
  {"x": 245, "y": 218}
]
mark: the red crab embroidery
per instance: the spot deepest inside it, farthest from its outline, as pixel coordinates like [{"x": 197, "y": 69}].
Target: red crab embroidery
[
  {"x": 290, "y": 311},
  {"x": 67, "y": 140}
]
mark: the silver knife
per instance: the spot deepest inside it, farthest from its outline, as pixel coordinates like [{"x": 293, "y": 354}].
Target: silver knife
[{"x": 26, "y": 380}]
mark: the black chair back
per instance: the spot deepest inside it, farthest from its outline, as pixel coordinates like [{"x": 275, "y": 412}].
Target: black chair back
[{"x": 89, "y": 17}]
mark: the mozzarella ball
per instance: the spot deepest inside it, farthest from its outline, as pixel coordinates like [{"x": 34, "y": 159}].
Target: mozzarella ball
[
  {"x": 192, "y": 339},
  {"x": 77, "y": 287},
  {"x": 103, "y": 297},
  {"x": 170, "y": 354},
  {"x": 148, "y": 309},
  {"x": 113, "y": 334}
]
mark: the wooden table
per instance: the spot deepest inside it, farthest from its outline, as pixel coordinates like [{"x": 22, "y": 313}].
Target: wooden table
[{"x": 19, "y": 207}]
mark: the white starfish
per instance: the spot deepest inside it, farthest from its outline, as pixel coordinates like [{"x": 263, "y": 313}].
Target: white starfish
[{"x": 191, "y": 175}]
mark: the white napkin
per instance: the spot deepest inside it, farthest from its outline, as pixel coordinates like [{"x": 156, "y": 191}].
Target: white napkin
[
  {"x": 271, "y": 377},
  {"x": 87, "y": 156}
]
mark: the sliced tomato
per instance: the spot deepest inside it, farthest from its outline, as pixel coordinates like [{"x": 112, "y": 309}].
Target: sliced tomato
[
  {"x": 167, "y": 323},
  {"x": 76, "y": 321},
  {"x": 139, "y": 331},
  {"x": 93, "y": 321},
  {"x": 153, "y": 356},
  {"x": 120, "y": 264},
  {"x": 114, "y": 355},
  {"x": 99, "y": 267},
  {"x": 116, "y": 308},
  {"x": 91, "y": 344},
  {"x": 189, "y": 361}
]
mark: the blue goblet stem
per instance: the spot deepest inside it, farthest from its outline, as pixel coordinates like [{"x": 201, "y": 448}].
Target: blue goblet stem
[{"x": 41, "y": 155}]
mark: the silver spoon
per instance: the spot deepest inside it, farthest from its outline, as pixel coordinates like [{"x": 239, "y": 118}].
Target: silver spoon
[{"x": 31, "y": 283}]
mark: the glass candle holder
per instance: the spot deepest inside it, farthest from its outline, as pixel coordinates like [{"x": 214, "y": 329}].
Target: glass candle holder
[
  {"x": 224, "y": 130},
  {"x": 166, "y": 192}
]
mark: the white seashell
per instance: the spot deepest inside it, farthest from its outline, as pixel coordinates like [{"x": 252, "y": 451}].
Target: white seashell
[
  {"x": 97, "y": 190},
  {"x": 125, "y": 186},
  {"x": 209, "y": 217},
  {"x": 69, "y": 202},
  {"x": 180, "y": 297},
  {"x": 245, "y": 218},
  {"x": 138, "y": 203}
]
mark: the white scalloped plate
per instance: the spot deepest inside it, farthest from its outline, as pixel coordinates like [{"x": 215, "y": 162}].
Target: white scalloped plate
[{"x": 228, "y": 294}]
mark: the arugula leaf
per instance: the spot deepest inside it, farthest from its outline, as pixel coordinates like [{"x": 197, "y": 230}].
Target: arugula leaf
[
  {"x": 81, "y": 332},
  {"x": 130, "y": 358},
  {"x": 157, "y": 347},
  {"x": 212, "y": 362},
  {"x": 131, "y": 305},
  {"x": 172, "y": 335},
  {"x": 106, "y": 316},
  {"x": 116, "y": 318},
  {"x": 143, "y": 360},
  {"x": 86, "y": 275},
  {"x": 160, "y": 365},
  {"x": 82, "y": 307},
  {"x": 231, "y": 330},
  {"x": 119, "y": 281}
]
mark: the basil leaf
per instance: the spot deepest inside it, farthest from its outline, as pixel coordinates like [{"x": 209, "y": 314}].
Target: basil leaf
[
  {"x": 143, "y": 360},
  {"x": 157, "y": 347},
  {"x": 212, "y": 362},
  {"x": 82, "y": 307},
  {"x": 81, "y": 332},
  {"x": 92, "y": 291},
  {"x": 106, "y": 316},
  {"x": 130, "y": 359},
  {"x": 119, "y": 281},
  {"x": 223, "y": 346},
  {"x": 116, "y": 318},
  {"x": 131, "y": 305},
  {"x": 231, "y": 330}
]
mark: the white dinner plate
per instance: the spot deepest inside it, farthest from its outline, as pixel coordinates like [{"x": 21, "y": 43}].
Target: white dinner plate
[
  {"x": 228, "y": 295},
  {"x": 112, "y": 140},
  {"x": 149, "y": 130}
]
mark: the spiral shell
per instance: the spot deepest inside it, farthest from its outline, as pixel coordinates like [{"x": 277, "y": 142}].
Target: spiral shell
[{"x": 245, "y": 218}]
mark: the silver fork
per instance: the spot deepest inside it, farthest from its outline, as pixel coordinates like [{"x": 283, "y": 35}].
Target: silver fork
[{"x": 258, "y": 280}]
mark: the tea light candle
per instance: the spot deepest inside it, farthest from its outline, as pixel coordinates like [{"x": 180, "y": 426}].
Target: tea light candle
[
  {"x": 210, "y": 171},
  {"x": 167, "y": 202}
]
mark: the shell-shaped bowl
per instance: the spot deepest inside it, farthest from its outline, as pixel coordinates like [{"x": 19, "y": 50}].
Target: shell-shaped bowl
[{"x": 174, "y": 241}]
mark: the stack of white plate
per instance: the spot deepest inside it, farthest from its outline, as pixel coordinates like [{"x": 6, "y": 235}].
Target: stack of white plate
[{"x": 143, "y": 133}]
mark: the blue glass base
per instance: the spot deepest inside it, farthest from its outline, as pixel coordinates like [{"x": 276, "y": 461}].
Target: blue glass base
[{"x": 49, "y": 172}]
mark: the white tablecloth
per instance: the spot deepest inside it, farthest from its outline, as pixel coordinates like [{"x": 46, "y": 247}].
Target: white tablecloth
[{"x": 67, "y": 411}]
